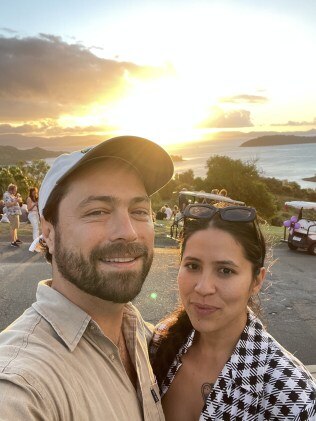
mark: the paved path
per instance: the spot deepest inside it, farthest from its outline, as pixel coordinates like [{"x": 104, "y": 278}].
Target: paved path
[{"x": 289, "y": 302}]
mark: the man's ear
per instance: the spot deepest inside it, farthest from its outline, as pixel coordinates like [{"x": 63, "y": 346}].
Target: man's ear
[
  {"x": 259, "y": 281},
  {"x": 48, "y": 232}
]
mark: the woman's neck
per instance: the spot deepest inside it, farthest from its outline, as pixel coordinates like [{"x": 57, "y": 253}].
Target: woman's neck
[{"x": 220, "y": 344}]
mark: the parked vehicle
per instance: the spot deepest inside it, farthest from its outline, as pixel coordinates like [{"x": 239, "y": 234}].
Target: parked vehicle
[{"x": 302, "y": 228}]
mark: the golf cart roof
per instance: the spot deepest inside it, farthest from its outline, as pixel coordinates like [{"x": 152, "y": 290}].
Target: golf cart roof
[
  {"x": 298, "y": 204},
  {"x": 210, "y": 196}
]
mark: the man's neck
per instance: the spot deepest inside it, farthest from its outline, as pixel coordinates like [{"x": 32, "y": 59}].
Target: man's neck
[{"x": 106, "y": 314}]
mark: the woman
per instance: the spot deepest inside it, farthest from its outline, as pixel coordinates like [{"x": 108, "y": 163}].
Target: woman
[
  {"x": 212, "y": 357},
  {"x": 13, "y": 201},
  {"x": 32, "y": 207}
]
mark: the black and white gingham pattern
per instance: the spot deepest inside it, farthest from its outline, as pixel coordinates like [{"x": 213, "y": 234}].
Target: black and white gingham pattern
[{"x": 261, "y": 381}]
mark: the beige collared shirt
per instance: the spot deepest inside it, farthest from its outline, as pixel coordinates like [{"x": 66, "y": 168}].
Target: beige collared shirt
[{"x": 56, "y": 364}]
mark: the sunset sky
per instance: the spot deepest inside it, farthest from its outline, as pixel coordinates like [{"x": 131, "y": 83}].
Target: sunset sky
[{"x": 172, "y": 70}]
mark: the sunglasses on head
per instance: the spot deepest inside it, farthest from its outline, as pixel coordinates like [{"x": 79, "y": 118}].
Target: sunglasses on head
[{"x": 229, "y": 213}]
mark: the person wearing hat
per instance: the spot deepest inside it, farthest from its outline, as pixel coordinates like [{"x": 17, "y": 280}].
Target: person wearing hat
[{"x": 80, "y": 351}]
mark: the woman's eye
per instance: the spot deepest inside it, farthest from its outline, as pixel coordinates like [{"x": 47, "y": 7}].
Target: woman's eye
[
  {"x": 226, "y": 271},
  {"x": 192, "y": 266}
]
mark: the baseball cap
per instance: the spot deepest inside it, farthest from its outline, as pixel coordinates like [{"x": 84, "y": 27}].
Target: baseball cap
[{"x": 151, "y": 161}]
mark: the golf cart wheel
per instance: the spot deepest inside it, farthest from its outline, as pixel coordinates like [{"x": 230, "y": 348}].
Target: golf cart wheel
[
  {"x": 292, "y": 247},
  {"x": 312, "y": 249}
]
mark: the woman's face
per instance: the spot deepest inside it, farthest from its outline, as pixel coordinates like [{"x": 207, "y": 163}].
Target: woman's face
[{"x": 216, "y": 281}]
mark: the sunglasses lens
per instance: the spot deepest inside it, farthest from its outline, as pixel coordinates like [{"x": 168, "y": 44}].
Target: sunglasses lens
[
  {"x": 201, "y": 212},
  {"x": 238, "y": 215}
]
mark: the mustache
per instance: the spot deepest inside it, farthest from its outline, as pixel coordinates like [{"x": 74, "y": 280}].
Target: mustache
[{"x": 119, "y": 249}]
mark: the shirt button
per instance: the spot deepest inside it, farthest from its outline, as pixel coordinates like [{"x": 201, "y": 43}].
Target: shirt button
[{"x": 112, "y": 357}]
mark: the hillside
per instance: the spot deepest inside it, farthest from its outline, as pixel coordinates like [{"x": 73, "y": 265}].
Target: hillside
[
  {"x": 9, "y": 155},
  {"x": 279, "y": 140}
]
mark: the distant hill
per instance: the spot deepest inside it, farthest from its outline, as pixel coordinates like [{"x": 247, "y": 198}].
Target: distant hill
[
  {"x": 9, "y": 155},
  {"x": 279, "y": 140},
  {"x": 67, "y": 143}
]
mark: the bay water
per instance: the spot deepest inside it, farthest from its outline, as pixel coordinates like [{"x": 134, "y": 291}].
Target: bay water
[{"x": 291, "y": 162}]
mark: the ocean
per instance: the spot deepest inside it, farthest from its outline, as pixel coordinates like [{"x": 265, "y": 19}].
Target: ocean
[{"x": 291, "y": 162}]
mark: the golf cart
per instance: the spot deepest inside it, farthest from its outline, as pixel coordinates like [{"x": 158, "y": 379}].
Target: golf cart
[
  {"x": 187, "y": 197},
  {"x": 302, "y": 228}
]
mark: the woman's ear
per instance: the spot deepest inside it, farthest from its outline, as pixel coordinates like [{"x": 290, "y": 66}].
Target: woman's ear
[
  {"x": 48, "y": 232},
  {"x": 260, "y": 277}
]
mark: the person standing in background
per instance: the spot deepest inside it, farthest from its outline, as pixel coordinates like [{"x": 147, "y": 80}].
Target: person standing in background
[
  {"x": 168, "y": 211},
  {"x": 32, "y": 207},
  {"x": 12, "y": 202}
]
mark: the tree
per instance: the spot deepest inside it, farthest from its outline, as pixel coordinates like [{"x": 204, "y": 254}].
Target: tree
[
  {"x": 242, "y": 182},
  {"x": 187, "y": 177},
  {"x": 23, "y": 175},
  {"x": 36, "y": 171}
]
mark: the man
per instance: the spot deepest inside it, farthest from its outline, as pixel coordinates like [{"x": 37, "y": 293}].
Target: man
[
  {"x": 12, "y": 201},
  {"x": 80, "y": 352}
]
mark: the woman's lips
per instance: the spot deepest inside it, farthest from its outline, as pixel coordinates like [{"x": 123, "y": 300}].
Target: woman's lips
[{"x": 204, "y": 309}]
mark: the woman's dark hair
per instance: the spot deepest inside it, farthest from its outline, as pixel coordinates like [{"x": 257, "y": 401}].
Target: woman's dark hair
[
  {"x": 50, "y": 211},
  {"x": 177, "y": 325}
]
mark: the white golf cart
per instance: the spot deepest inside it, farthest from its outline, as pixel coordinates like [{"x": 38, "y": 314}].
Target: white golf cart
[
  {"x": 302, "y": 229},
  {"x": 187, "y": 197}
]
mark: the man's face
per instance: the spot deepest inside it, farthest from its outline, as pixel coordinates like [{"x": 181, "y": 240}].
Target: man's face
[{"x": 103, "y": 242}]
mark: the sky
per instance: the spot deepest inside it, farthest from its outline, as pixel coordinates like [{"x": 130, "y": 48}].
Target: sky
[{"x": 170, "y": 70}]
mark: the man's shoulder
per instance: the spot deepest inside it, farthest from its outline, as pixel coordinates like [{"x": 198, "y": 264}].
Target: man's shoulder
[{"x": 28, "y": 345}]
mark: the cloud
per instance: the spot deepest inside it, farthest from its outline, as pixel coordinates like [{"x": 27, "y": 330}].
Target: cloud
[
  {"x": 24, "y": 128},
  {"x": 296, "y": 123},
  {"x": 44, "y": 77},
  {"x": 219, "y": 118},
  {"x": 8, "y": 30},
  {"x": 244, "y": 98},
  {"x": 50, "y": 128}
]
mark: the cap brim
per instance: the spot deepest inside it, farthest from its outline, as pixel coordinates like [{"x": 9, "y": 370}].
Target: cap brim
[{"x": 152, "y": 162}]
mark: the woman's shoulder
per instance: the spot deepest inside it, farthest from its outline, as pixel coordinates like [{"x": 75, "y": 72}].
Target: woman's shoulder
[{"x": 287, "y": 368}]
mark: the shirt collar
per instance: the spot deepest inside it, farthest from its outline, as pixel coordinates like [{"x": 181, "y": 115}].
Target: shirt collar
[
  {"x": 247, "y": 363},
  {"x": 67, "y": 319}
]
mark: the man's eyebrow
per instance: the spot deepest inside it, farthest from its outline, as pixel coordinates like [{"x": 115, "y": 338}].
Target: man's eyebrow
[
  {"x": 111, "y": 200},
  {"x": 90, "y": 199},
  {"x": 140, "y": 199}
]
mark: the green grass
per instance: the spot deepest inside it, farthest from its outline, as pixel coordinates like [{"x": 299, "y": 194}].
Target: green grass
[
  {"x": 273, "y": 234},
  {"x": 24, "y": 232}
]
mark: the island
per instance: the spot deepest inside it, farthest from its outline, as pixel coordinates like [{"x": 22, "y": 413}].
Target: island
[
  {"x": 313, "y": 179},
  {"x": 9, "y": 155},
  {"x": 176, "y": 158},
  {"x": 274, "y": 140}
]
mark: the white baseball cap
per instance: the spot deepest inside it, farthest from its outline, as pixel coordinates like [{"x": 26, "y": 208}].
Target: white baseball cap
[{"x": 152, "y": 162}]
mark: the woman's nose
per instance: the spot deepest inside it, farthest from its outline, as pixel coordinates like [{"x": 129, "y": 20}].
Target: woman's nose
[{"x": 205, "y": 284}]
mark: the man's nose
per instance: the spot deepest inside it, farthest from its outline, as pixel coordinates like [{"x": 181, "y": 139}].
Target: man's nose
[
  {"x": 205, "y": 285},
  {"x": 122, "y": 227}
]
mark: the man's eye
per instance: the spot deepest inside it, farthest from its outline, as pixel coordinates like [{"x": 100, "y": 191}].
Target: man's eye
[
  {"x": 98, "y": 212},
  {"x": 141, "y": 212}
]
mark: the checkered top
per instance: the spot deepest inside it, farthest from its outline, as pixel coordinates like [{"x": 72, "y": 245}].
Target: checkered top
[{"x": 260, "y": 381}]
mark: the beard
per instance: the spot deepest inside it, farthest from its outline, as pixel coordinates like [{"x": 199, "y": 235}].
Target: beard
[{"x": 118, "y": 287}]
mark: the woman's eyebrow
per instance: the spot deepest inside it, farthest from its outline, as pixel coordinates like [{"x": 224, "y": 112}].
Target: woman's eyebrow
[{"x": 226, "y": 262}]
